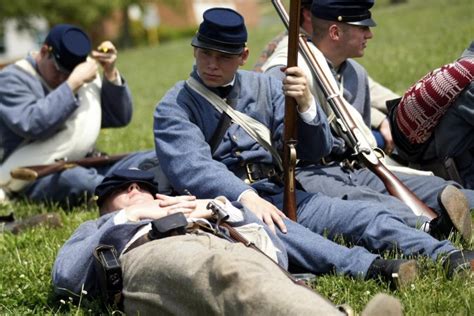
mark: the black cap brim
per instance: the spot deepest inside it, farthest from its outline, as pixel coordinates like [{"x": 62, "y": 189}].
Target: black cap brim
[
  {"x": 367, "y": 22},
  {"x": 113, "y": 186},
  {"x": 220, "y": 47}
]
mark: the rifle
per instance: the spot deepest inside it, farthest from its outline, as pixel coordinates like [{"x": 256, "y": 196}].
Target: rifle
[
  {"x": 9, "y": 224},
  {"x": 357, "y": 140},
  {"x": 289, "y": 136},
  {"x": 31, "y": 173}
]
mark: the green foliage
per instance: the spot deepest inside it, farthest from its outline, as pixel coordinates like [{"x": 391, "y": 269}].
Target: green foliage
[
  {"x": 165, "y": 33},
  {"x": 411, "y": 39},
  {"x": 72, "y": 11},
  {"x": 414, "y": 38}
]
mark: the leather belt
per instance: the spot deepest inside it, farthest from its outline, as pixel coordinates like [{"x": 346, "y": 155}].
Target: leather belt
[
  {"x": 325, "y": 161},
  {"x": 253, "y": 172},
  {"x": 138, "y": 242},
  {"x": 192, "y": 227}
]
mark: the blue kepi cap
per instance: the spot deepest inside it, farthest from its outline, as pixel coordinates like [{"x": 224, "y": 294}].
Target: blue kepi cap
[
  {"x": 69, "y": 45},
  {"x": 222, "y": 30},
  {"x": 124, "y": 177},
  {"x": 355, "y": 12}
]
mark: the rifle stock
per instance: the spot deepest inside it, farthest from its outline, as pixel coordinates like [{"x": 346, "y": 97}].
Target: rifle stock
[
  {"x": 31, "y": 173},
  {"x": 359, "y": 143},
  {"x": 289, "y": 136}
]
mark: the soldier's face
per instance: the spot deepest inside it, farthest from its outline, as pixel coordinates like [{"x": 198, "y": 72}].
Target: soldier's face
[
  {"x": 129, "y": 195},
  {"x": 217, "y": 69},
  {"x": 354, "y": 39},
  {"x": 49, "y": 69}
]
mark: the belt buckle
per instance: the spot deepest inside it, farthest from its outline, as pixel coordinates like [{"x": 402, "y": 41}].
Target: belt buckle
[
  {"x": 248, "y": 168},
  {"x": 326, "y": 161}
]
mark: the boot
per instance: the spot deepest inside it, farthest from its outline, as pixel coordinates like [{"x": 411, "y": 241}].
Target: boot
[
  {"x": 455, "y": 215},
  {"x": 398, "y": 272},
  {"x": 458, "y": 262},
  {"x": 383, "y": 305},
  {"x": 380, "y": 305}
]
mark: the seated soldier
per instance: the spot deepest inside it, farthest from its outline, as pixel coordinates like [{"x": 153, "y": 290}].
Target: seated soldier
[
  {"x": 53, "y": 104},
  {"x": 339, "y": 174},
  {"x": 434, "y": 121},
  {"x": 379, "y": 94},
  {"x": 194, "y": 273}
]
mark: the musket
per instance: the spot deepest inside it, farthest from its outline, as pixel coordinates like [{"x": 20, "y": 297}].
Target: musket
[
  {"x": 31, "y": 173},
  {"x": 289, "y": 136},
  {"x": 358, "y": 142},
  {"x": 9, "y": 224}
]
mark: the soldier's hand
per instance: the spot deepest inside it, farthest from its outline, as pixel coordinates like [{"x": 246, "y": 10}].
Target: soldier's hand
[
  {"x": 166, "y": 200},
  {"x": 264, "y": 210},
  {"x": 83, "y": 73},
  {"x": 387, "y": 136},
  {"x": 200, "y": 210},
  {"x": 106, "y": 55},
  {"x": 153, "y": 210},
  {"x": 295, "y": 85}
]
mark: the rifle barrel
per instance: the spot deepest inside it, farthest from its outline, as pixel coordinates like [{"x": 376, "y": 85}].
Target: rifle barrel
[{"x": 31, "y": 173}]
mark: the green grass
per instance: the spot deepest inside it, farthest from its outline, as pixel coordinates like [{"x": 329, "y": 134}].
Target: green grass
[{"x": 410, "y": 40}]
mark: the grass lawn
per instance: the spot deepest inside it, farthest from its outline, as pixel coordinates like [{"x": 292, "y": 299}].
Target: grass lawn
[{"x": 410, "y": 40}]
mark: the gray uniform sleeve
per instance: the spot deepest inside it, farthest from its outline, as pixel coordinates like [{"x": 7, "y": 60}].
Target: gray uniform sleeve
[
  {"x": 74, "y": 265},
  {"x": 27, "y": 111},
  {"x": 186, "y": 156}
]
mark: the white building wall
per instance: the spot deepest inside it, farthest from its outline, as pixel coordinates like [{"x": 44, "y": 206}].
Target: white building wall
[{"x": 19, "y": 42}]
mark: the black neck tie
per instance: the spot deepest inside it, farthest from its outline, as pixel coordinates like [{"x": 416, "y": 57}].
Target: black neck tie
[{"x": 223, "y": 92}]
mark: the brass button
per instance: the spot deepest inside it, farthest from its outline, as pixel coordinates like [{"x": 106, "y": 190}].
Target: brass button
[{"x": 247, "y": 181}]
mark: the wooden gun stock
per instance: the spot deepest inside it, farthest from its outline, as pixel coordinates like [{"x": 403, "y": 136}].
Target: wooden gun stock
[
  {"x": 31, "y": 173},
  {"x": 398, "y": 189},
  {"x": 359, "y": 143},
  {"x": 289, "y": 136}
]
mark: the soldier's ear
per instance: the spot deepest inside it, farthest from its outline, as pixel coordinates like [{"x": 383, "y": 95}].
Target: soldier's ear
[
  {"x": 335, "y": 31},
  {"x": 44, "y": 50},
  {"x": 244, "y": 56}
]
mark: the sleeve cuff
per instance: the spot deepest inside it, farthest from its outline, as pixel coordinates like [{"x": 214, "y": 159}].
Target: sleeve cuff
[
  {"x": 235, "y": 214},
  {"x": 240, "y": 195},
  {"x": 120, "y": 218},
  {"x": 310, "y": 114},
  {"x": 118, "y": 79}
]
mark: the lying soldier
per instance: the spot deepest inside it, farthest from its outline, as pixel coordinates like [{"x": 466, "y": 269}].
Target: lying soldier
[{"x": 194, "y": 273}]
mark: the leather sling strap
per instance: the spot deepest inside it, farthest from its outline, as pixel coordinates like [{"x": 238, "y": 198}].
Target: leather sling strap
[
  {"x": 225, "y": 120},
  {"x": 235, "y": 235},
  {"x": 254, "y": 128},
  {"x": 26, "y": 67}
]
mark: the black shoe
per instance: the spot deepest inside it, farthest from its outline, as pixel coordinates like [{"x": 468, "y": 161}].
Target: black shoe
[
  {"x": 459, "y": 261},
  {"x": 398, "y": 272},
  {"x": 455, "y": 215}
]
